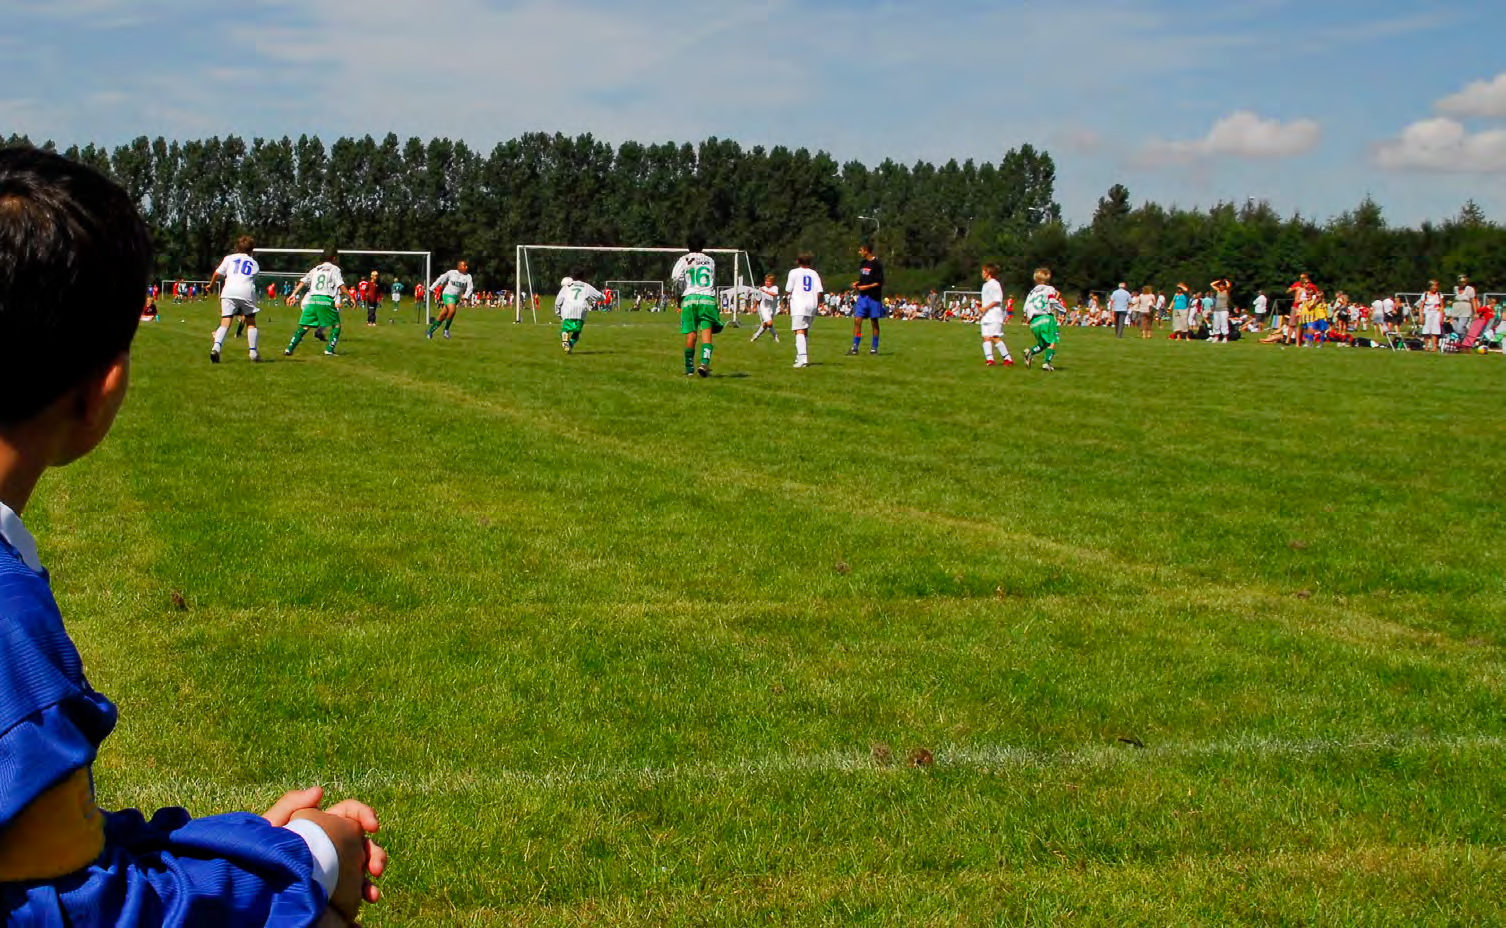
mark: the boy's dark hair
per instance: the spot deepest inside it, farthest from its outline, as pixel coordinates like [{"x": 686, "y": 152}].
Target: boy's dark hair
[
  {"x": 803, "y": 259},
  {"x": 866, "y": 245},
  {"x": 696, "y": 240},
  {"x": 993, "y": 270},
  {"x": 331, "y": 253},
  {"x": 245, "y": 244},
  {"x": 75, "y": 259},
  {"x": 577, "y": 273}
]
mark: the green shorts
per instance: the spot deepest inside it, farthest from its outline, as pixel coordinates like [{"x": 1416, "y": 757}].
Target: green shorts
[
  {"x": 450, "y": 299},
  {"x": 1044, "y": 329},
  {"x": 319, "y": 311},
  {"x": 572, "y": 326},
  {"x": 697, "y": 313}
]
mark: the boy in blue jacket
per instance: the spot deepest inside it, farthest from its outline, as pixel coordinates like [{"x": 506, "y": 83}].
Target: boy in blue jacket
[{"x": 75, "y": 257}]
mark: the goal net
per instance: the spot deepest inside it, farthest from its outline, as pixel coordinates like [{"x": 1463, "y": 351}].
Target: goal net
[
  {"x": 540, "y": 268},
  {"x": 634, "y": 295},
  {"x": 962, "y": 302},
  {"x": 398, "y": 274}
]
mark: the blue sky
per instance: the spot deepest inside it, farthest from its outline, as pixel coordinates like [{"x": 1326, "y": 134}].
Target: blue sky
[{"x": 1310, "y": 105}]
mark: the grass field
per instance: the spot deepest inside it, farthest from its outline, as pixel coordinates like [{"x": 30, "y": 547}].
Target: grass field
[{"x": 1188, "y": 634}]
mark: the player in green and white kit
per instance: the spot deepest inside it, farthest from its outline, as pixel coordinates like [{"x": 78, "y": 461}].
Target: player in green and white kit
[
  {"x": 324, "y": 284},
  {"x": 695, "y": 275},
  {"x": 397, "y": 294},
  {"x": 452, "y": 286},
  {"x": 576, "y": 297},
  {"x": 1040, "y": 314}
]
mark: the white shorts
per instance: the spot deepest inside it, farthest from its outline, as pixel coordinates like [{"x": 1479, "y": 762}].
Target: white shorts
[
  {"x": 765, "y": 315},
  {"x": 797, "y": 323},
  {"x": 993, "y": 330},
  {"x": 1432, "y": 322},
  {"x": 396, "y": 300},
  {"x": 235, "y": 306}
]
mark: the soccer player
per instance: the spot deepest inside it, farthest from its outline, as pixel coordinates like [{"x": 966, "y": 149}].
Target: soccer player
[
  {"x": 870, "y": 303},
  {"x": 76, "y": 254},
  {"x": 768, "y": 305},
  {"x": 1040, "y": 314},
  {"x": 805, "y": 289},
  {"x": 371, "y": 296},
  {"x": 992, "y": 319},
  {"x": 576, "y": 298},
  {"x": 695, "y": 275},
  {"x": 397, "y": 293},
  {"x": 453, "y": 286},
  {"x": 319, "y": 310},
  {"x": 238, "y": 296}
]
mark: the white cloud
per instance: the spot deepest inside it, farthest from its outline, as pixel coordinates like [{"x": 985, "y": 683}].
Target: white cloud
[
  {"x": 1480, "y": 100},
  {"x": 1444, "y": 145},
  {"x": 1242, "y": 135}
]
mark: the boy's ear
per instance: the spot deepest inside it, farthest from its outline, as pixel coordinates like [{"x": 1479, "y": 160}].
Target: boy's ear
[{"x": 95, "y": 402}]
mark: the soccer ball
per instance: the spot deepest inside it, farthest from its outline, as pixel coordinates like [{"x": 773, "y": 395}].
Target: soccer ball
[{"x": 1479, "y": 349}]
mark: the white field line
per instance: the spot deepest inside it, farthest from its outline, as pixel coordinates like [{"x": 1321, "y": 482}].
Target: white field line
[{"x": 978, "y": 758}]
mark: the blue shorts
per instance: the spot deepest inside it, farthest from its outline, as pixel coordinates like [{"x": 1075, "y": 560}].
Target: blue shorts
[{"x": 868, "y": 308}]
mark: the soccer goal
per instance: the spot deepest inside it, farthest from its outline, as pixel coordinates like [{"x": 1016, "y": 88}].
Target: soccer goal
[
  {"x": 539, "y": 269},
  {"x": 635, "y": 293},
  {"x": 353, "y": 271},
  {"x": 959, "y": 301}
]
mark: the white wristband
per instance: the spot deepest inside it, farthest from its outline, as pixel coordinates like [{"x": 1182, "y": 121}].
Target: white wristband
[{"x": 326, "y": 858}]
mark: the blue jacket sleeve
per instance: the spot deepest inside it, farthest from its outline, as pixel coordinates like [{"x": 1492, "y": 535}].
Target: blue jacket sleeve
[{"x": 224, "y": 870}]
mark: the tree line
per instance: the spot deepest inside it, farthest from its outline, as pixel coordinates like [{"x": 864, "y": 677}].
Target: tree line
[{"x": 933, "y": 225}]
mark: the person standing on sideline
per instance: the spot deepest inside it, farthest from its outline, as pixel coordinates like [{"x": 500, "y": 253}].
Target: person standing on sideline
[
  {"x": 1119, "y": 302},
  {"x": 1148, "y": 310},
  {"x": 1219, "y": 330},
  {"x": 1262, "y": 305},
  {"x": 805, "y": 289},
  {"x": 237, "y": 296},
  {"x": 1179, "y": 314},
  {"x": 1465, "y": 307},
  {"x": 1432, "y": 316},
  {"x": 695, "y": 275},
  {"x": 452, "y": 286},
  {"x": 992, "y": 318},
  {"x": 870, "y": 302},
  {"x": 768, "y": 305}
]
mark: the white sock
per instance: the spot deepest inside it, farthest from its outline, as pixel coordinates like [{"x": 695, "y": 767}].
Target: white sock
[
  {"x": 800, "y": 347},
  {"x": 252, "y": 334},
  {"x": 219, "y": 336},
  {"x": 1003, "y": 351},
  {"x": 988, "y": 350}
]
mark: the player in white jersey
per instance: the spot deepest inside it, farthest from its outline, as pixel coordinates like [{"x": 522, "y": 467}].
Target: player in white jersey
[
  {"x": 453, "y": 286},
  {"x": 768, "y": 306},
  {"x": 324, "y": 283},
  {"x": 695, "y": 275},
  {"x": 576, "y": 298},
  {"x": 1040, "y": 314},
  {"x": 805, "y": 289},
  {"x": 992, "y": 320},
  {"x": 237, "y": 296}
]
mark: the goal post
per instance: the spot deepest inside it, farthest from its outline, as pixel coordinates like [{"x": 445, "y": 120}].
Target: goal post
[
  {"x": 427, "y": 256},
  {"x": 740, "y": 274}
]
